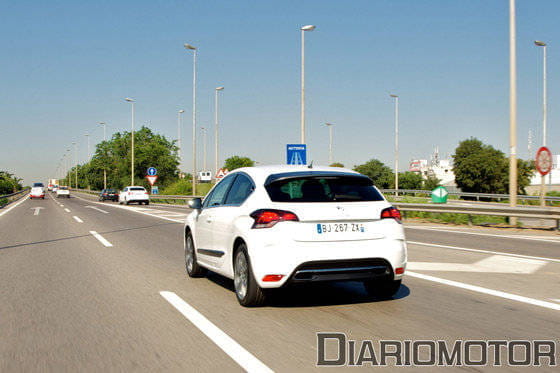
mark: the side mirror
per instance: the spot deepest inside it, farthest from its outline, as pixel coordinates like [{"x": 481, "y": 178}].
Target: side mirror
[{"x": 195, "y": 203}]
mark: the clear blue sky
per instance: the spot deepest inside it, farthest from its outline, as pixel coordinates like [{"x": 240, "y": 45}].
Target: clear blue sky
[{"x": 66, "y": 65}]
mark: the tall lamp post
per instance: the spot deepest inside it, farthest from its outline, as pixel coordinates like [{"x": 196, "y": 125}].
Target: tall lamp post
[
  {"x": 104, "y": 166},
  {"x": 542, "y": 44},
  {"x": 216, "y": 123},
  {"x": 203, "y": 130},
  {"x": 132, "y": 140},
  {"x": 396, "y": 144},
  {"x": 88, "y": 153},
  {"x": 329, "y": 125},
  {"x": 192, "y": 48},
  {"x": 68, "y": 178},
  {"x": 302, "y": 124},
  {"x": 179, "y": 135},
  {"x": 76, "y": 162},
  {"x": 512, "y": 111}
]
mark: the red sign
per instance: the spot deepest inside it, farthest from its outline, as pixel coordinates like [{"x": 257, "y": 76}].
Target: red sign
[
  {"x": 544, "y": 160},
  {"x": 221, "y": 173},
  {"x": 151, "y": 179}
]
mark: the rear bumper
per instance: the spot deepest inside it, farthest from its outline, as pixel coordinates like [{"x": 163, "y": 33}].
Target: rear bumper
[
  {"x": 341, "y": 270},
  {"x": 36, "y": 196}
]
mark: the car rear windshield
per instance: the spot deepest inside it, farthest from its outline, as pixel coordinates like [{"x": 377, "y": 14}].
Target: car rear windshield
[
  {"x": 63, "y": 188},
  {"x": 138, "y": 189},
  {"x": 38, "y": 185},
  {"x": 323, "y": 189},
  {"x": 111, "y": 191}
]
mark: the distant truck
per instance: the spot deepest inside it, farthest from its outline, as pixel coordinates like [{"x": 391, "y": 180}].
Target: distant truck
[
  {"x": 51, "y": 184},
  {"x": 205, "y": 176}
]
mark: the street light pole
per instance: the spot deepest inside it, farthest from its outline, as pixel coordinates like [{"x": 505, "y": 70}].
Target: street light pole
[
  {"x": 329, "y": 125},
  {"x": 76, "y": 160},
  {"x": 203, "y": 129},
  {"x": 179, "y": 136},
  {"x": 190, "y": 47},
  {"x": 132, "y": 140},
  {"x": 512, "y": 111},
  {"x": 302, "y": 124},
  {"x": 68, "y": 179},
  {"x": 88, "y": 153},
  {"x": 396, "y": 144},
  {"x": 104, "y": 166},
  {"x": 216, "y": 136},
  {"x": 543, "y": 177}
]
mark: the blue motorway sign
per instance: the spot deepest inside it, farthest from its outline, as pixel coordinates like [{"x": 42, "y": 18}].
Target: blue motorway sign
[
  {"x": 155, "y": 190},
  {"x": 152, "y": 171},
  {"x": 296, "y": 154}
]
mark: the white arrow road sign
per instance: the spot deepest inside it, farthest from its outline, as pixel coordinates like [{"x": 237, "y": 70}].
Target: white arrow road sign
[
  {"x": 95, "y": 208},
  {"x": 37, "y": 209},
  {"x": 493, "y": 264}
]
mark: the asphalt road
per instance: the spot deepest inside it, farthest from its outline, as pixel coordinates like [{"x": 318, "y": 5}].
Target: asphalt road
[{"x": 76, "y": 300}]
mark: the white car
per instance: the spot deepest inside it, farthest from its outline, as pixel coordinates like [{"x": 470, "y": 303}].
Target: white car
[
  {"x": 37, "y": 191},
  {"x": 62, "y": 191},
  {"x": 55, "y": 188},
  {"x": 270, "y": 226},
  {"x": 134, "y": 194}
]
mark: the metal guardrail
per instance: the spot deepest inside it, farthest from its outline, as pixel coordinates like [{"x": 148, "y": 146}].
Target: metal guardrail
[
  {"x": 13, "y": 197},
  {"x": 519, "y": 212},
  {"x": 499, "y": 197}
]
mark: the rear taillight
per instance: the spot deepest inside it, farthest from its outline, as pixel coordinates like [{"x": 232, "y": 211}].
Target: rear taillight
[
  {"x": 129, "y": 193},
  {"x": 268, "y": 218},
  {"x": 391, "y": 213}
]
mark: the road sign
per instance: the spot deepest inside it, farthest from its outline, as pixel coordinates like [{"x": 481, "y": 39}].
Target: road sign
[
  {"x": 221, "y": 173},
  {"x": 296, "y": 154},
  {"x": 155, "y": 189},
  {"x": 544, "y": 160},
  {"x": 151, "y": 179},
  {"x": 151, "y": 171},
  {"x": 439, "y": 195}
]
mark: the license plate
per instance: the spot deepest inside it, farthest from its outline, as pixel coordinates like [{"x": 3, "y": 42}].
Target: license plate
[{"x": 340, "y": 228}]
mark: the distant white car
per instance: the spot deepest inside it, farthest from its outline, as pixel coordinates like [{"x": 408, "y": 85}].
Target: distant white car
[
  {"x": 62, "y": 191},
  {"x": 55, "y": 188},
  {"x": 271, "y": 226},
  {"x": 37, "y": 191},
  {"x": 134, "y": 194}
]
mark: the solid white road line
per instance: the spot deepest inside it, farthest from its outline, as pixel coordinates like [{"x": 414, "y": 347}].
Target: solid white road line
[
  {"x": 514, "y": 237},
  {"x": 61, "y": 205},
  {"x": 484, "y": 251},
  {"x": 66, "y": 210},
  {"x": 95, "y": 208},
  {"x": 491, "y": 264},
  {"x": 101, "y": 239},
  {"x": 78, "y": 219},
  {"x": 23, "y": 199},
  {"x": 492, "y": 292},
  {"x": 240, "y": 355}
]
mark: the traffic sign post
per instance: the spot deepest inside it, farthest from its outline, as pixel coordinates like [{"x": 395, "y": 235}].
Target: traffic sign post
[
  {"x": 152, "y": 179},
  {"x": 296, "y": 154},
  {"x": 439, "y": 195},
  {"x": 543, "y": 163}
]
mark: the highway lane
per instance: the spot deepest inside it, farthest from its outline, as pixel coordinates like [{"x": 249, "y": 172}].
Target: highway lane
[{"x": 73, "y": 303}]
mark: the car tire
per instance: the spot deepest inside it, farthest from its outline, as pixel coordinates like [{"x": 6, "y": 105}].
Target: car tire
[
  {"x": 382, "y": 288},
  {"x": 127, "y": 203},
  {"x": 247, "y": 291},
  {"x": 147, "y": 202},
  {"x": 191, "y": 265}
]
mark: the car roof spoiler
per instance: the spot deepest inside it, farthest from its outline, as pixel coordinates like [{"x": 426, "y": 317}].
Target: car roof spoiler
[{"x": 312, "y": 174}]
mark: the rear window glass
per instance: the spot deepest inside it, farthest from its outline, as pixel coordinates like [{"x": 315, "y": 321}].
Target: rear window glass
[
  {"x": 323, "y": 189},
  {"x": 138, "y": 189},
  {"x": 38, "y": 185},
  {"x": 63, "y": 188}
]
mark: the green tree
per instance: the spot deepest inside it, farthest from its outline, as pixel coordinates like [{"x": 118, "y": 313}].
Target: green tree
[
  {"x": 9, "y": 183},
  {"x": 381, "y": 175},
  {"x": 481, "y": 168},
  {"x": 150, "y": 150},
  {"x": 431, "y": 183},
  {"x": 237, "y": 162},
  {"x": 410, "y": 180},
  {"x": 337, "y": 164}
]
